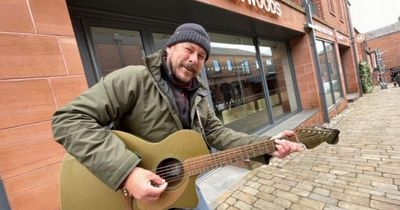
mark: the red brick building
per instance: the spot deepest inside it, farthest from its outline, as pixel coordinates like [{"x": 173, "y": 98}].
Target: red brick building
[
  {"x": 386, "y": 40},
  {"x": 269, "y": 65}
]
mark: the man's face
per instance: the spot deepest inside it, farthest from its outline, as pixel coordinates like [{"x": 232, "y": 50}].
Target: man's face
[{"x": 186, "y": 60}]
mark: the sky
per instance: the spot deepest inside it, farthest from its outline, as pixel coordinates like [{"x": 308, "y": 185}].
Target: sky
[{"x": 368, "y": 15}]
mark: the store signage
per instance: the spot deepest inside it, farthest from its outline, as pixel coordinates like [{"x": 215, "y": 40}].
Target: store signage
[
  {"x": 360, "y": 38},
  {"x": 340, "y": 37},
  {"x": 324, "y": 30},
  {"x": 327, "y": 31},
  {"x": 270, "y": 6}
]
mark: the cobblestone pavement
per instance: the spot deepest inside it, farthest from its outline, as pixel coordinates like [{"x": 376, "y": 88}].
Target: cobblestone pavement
[{"x": 361, "y": 172}]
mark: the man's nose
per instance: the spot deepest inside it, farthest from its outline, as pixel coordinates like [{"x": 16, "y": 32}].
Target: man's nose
[{"x": 193, "y": 58}]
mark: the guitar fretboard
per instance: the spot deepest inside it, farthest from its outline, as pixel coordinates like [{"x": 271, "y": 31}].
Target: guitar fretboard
[{"x": 200, "y": 164}]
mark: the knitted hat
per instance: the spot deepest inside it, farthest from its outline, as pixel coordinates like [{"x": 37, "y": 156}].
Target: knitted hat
[{"x": 191, "y": 32}]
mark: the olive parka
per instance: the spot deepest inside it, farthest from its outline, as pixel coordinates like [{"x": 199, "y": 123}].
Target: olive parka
[{"x": 138, "y": 101}]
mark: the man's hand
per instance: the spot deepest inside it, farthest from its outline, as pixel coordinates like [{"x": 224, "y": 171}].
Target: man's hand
[
  {"x": 144, "y": 185},
  {"x": 284, "y": 147}
]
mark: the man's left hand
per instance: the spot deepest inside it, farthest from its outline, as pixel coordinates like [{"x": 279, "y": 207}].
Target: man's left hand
[{"x": 284, "y": 147}]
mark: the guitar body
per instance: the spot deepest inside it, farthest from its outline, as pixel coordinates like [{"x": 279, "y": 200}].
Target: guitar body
[{"x": 80, "y": 189}]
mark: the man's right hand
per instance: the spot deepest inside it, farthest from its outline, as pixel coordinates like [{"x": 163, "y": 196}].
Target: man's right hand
[{"x": 144, "y": 185}]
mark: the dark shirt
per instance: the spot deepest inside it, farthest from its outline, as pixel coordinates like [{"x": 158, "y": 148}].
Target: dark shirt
[{"x": 183, "y": 94}]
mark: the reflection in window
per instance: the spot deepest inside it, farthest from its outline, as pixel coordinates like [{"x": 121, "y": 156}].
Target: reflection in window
[
  {"x": 279, "y": 78},
  {"x": 160, "y": 40},
  {"x": 116, "y": 48},
  {"x": 269, "y": 66},
  {"x": 237, "y": 94},
  {"x": 217, "y": 67},
  {"x": 329, "y": 72},
  {"x": 245, "y": 67},
  {"x": 229, "y": 65}
]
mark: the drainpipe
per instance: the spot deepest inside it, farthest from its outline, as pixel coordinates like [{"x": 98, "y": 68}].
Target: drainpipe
[
  {"x": 353, "y": 45},
  {"x": 310, "y": 28}
]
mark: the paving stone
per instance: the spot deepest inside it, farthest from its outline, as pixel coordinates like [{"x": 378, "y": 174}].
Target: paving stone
[
  {"x": 303, "y": 193},
  {"x": 248, "y": 198},
  {"x": 352, "y": 206},
  {"x": 267, "y": 205},
  {"x": 282, "y": 202},
  {"x": 313, "y": 204},
  {"x": 383, "y": 205},
  {"x": 242, "y": 205}
]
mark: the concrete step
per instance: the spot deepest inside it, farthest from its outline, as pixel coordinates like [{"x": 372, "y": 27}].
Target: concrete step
[{"x": 214, "y": 183}]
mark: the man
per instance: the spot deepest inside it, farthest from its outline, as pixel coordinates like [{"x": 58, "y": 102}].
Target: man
[{"x": 151, "y": 102}]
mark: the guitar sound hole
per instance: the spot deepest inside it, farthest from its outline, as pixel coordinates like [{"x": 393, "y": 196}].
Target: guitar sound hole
[{"x": 171, "y": 170}]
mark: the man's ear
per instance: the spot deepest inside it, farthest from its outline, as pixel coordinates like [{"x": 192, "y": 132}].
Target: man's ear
[{"x": 168, "y": 49}]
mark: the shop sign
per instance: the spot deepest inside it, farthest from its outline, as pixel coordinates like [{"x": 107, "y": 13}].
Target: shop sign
[
  {"x": 339, "y": 37},
  {"x": 324, "y": 30},
  {"x": 270, "y": 6},
  {"x": 360, "y": 38}
]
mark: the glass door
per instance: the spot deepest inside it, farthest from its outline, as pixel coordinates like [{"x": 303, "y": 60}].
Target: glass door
[{"x": 329, "y": 72}]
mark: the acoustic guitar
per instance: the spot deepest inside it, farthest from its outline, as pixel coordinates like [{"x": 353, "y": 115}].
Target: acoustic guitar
[{"x": 178, "y": 159}]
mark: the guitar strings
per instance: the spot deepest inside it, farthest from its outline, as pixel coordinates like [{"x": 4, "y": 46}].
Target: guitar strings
[
  {"x": 162, "y": 171},
  {"x": 165, "y": 170},
  {"x": 210, "y": 157}
]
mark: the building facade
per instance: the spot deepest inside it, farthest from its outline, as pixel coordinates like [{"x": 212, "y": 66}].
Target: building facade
[
  {"x": 381, "y": 47},
  {"x": 270, "y": 62}
]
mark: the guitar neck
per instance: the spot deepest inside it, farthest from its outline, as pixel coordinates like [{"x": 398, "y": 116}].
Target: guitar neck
[
  {"x": 310, "y": 137},
  {"x": 198, "y": 165}
]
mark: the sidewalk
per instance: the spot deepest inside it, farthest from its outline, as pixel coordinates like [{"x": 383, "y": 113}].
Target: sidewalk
[{"x": 361, "y": 172}]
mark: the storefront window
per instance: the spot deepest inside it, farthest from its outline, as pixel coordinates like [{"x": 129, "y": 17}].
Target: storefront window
[
  {"x": 329, "y": 72},
  {"x": 116, "y": 48},
  {"x": 160, "y": 40},
  {"x": 279, "y": 78},
  {"x": 236, "y": 90}
]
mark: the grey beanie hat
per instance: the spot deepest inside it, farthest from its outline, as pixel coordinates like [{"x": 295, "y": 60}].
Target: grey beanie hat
[{"x": 191, "y": 32}]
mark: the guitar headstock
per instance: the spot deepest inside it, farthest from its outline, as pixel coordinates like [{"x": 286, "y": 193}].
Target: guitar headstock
[{"x": 313, "y": 136}]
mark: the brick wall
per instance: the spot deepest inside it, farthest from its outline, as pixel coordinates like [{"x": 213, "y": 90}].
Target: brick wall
[
  {"x": 336, "y": 19},
  {"x": 389, "y": 45},
  {"x": 305, "y": 73},
  {"x": 40, "y": 71}
]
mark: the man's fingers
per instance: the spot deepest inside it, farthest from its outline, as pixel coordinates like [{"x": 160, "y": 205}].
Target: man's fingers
[
  {"x": 155, "y": 191},
  {"x": 284, "y": 148},
  {"x": 284, "y": 134}
]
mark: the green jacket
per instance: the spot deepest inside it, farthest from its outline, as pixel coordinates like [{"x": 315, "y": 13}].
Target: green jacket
[{"x": 138, "y": 101}]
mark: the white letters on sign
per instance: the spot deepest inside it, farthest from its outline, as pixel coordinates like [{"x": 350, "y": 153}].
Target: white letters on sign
[{"x": 270, "y": 6}]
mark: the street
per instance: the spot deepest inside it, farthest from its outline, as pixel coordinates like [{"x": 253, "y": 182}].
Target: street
[{"x": 361, "y": 172}]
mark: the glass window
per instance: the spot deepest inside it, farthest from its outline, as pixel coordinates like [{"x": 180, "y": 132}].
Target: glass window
[
  {"x": 229, "y": 64},
  {"x": 333, "y": 71},
  {"x": 217, "y": 67},
  {"x": 279, "y": 78},
  {"x": 160, "y": 40},
  {"x": 329, "y": 72},
  {"x": 257, "y": 65},
  {"x": 116, "y": 48},
  {"x": 245, "y": 67},
  {"x": 237, "y": 94}
]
